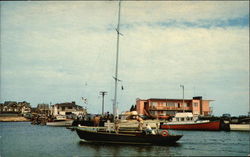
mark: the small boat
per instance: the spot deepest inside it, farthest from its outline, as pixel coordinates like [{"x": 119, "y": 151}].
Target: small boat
[
  {"x": 240, "y": 127},
  {"x": 60, "y": 121},
  {"x": 186, "y": 121},
  {"x": 94, "y": 134}
]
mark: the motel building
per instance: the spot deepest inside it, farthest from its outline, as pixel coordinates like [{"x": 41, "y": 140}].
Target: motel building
[{"x": 162, "y": 108}]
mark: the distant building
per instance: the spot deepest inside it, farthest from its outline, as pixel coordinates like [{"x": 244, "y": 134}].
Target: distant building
[
  {"x": 15, "y": 107},
  {"x": 43, "y": 108},
  {"x": 168, "y": 107},
  {"x": 67, "y": 109}
]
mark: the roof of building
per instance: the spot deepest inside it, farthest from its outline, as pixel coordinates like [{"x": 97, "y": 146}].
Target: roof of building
[
  {"x": 68, "y": 104},
  {"x": 166, "y": 99}
]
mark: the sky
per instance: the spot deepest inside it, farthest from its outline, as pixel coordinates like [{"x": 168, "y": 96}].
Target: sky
[{"x": 55, "y": 52}]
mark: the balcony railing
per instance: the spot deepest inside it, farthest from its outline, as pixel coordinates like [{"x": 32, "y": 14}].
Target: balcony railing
[{"x": 169, "y": 108}]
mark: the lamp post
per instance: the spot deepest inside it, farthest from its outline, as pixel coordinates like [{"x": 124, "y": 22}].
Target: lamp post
[{"x": 182, "y": 86}]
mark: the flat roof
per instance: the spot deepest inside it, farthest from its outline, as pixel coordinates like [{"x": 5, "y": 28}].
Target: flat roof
[{"x": 165, "y": 99}]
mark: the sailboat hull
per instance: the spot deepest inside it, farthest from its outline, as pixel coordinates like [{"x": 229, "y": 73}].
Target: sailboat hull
[{"x": 93, "y": 136}]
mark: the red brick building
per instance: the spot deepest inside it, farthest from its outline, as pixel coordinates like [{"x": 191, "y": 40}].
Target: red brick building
[{"x": 168, "y": 107}]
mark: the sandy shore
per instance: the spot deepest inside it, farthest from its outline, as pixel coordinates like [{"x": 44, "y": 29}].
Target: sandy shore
[{"x": 13, "y": 119}]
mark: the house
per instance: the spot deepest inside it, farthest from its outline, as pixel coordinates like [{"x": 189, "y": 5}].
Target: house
[
  {"x": 67, "y": 109},
  {"x": 15, "y": 107},
  {"x": 158, "y": 107}
]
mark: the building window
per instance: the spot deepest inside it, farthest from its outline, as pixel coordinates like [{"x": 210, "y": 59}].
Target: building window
[
  {"x": 170, "y": 104},
  {"x": 153, "y": 112},
  {"x": 154, "y": 103},
  {"x": 162, "y": 104},
  {"x": 63, "y": 108},
  {"x": 185, "y": 104},
  {"x": 161, "y": 112},
  {"x": 195, "y": 104},
  {"x": 176, "y": 104}
]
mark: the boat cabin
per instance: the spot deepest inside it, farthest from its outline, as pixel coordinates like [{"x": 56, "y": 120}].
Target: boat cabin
[{"x": 185, "y": 116}]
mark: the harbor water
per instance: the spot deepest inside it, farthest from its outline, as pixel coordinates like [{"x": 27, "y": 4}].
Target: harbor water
[{"x": 25, "y": 140}]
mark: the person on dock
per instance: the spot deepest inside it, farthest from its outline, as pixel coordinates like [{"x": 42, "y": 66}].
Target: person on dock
[
  {"x": 116, "y": 125},
  {"x": 96, "y": 120},
  {"x": 148, "y": 129},
  {"x": 140, "y": 120}
]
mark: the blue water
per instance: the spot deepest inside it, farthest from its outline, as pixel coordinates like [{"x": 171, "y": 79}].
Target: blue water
[{"x": 21, "y": 139}]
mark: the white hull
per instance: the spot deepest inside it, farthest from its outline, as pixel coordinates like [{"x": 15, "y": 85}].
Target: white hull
[
  {"x": 60, "y": 123},
  {"x": 240, "y": 127}
]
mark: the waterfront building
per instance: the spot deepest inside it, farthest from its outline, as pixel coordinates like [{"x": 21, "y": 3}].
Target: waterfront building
[
  {"x": 67, "y": 109},
  {"x": 158, "y": 107},
  {"x": 43, "y": 109}
]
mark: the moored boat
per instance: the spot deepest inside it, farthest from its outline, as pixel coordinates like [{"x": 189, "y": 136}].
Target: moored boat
[
  {"x": 91, "y": 134},
  {"x": 240, "y": 127},
  {"x": 186, "y": 121},
  {"x": 60, "y": 121}
]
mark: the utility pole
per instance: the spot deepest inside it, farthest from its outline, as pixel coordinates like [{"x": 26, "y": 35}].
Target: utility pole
[
  {"x": 182, "y": 86},
  {"x": 103, "y": 93}
]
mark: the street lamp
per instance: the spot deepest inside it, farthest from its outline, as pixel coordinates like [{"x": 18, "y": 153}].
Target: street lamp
[{"x": 182, "y": 86}]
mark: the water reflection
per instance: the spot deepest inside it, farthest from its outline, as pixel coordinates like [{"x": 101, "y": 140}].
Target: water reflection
[{"x": 112, "y": 149}]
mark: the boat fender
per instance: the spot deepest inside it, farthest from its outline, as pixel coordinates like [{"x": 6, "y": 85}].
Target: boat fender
[{"x": 164, "y": 133}]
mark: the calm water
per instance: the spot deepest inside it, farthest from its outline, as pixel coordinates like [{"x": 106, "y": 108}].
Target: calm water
[{"x": 23, "y": 140}]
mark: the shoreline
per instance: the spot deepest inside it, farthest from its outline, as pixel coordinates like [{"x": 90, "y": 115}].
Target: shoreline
[{"x": 14, "y": 119}]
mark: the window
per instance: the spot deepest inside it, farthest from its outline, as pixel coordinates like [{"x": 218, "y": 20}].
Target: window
[
  {"x": 182, "y": 119},
  {"x": 176, "y": 104},
  {"x": 185, "y": 104},
  {"x": 63, "y": 108},
  {"x": 195, "y": 104},
  {"x": 154, "y": 103},
  {"x": 170, "y": 104},
  {"x": 153, "y": 112},
  {"x": 161, "y": 112}
]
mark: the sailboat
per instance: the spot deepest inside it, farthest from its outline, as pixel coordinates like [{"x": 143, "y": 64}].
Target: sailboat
[{"x": 111, "y": 134}]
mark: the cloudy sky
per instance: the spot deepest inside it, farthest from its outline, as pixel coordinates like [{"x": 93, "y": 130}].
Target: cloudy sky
[{"x": 54, "y": 52}]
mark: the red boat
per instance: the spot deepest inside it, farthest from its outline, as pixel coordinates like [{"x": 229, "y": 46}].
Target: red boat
[{"x": 186, "y": 121}]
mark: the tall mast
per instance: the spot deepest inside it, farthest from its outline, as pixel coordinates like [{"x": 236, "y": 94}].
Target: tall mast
[{"x": 116, "y": 65}]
